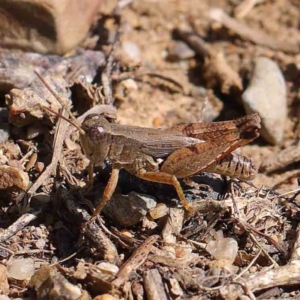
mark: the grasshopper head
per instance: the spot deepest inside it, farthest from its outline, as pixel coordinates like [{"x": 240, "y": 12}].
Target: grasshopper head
[{"x": 96, "y": 140}]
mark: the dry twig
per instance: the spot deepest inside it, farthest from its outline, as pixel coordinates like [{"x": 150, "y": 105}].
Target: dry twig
[
  {"x": 216, "y": 68},
  {"x": 136, "y": 260},
  {"x": 279, "y": 160},
  {"x": 245, "y": 7},
  {"x": 57, "y": 151},
  {"x": 22, "y": 222},
  {"x": 252, "y": 35}
]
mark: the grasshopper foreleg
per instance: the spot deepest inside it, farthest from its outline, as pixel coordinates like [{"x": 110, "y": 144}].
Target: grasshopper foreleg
[{"x": 109, "y": 190}]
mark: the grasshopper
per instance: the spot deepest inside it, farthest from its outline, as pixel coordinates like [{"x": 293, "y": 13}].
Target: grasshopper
[{"x": 166, "y": 155}]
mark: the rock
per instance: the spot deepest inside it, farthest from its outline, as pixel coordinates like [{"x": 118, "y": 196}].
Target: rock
[
  {"x": 46, "y": 26},
  {"x": 129, "y": 210},
  {"x": 266, "y": 95},
  {"x": 17, "y": 68}
]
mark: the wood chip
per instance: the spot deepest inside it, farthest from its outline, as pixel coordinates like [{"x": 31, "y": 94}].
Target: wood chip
[{"x": 154, "y": 285}]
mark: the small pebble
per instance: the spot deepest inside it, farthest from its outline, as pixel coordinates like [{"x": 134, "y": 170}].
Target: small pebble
[
  {"x": 4, "y": 132},
  {"x": 266, "y": 95},
  {"x": 40, "y": 243},
  {"x": 34, "y": 131},
  {"x": 106, "y": 267},
  {"x": 21, "y": 268},
  {"x": 39, "y": 166},
  {"x": 179, "y": 50},
  {"x": 223, "y": 248},
  {"x": 4, "y": 126},
  {"x": 132, "y": 50}
]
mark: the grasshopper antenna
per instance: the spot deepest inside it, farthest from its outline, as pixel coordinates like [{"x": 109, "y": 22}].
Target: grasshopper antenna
[
  {"x": 60, "y": 100},
  {"x": 76, "y": 125}
]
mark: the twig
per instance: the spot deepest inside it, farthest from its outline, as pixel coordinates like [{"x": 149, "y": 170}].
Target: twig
[
  {"x": 282, "y": 276},
  {"x": 253, "y": 238},
  {"x": 136, "y": 260},
  {"x": 66, "y": 258},
  {"x": 103, "y": 244},
  {"x": 279, "y": 160},
  {"x": 250, "y": 265},
  {"x": 22, "y": 222},
  {"x": 216, "y": 68},
  {"x": 257, "y": 37},
  {"x": 245, "y": 7},
  {"x": 57, "y": 152},
  {"x": 250, "y": 228},
  {"x": 287, "y": 176},
  {"x": 71, "y": 211},
  {"x": 290, "y": 192},
  {"x": 106, "y": 75}
]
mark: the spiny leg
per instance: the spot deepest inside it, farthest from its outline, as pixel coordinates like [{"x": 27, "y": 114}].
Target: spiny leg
[
  {"x": 166, "y": 178},
  {"x": 90, "y": 180},
  {"x": 109, "y": 190}
]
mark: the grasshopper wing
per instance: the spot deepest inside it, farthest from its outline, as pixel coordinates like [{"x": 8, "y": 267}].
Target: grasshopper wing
[
  {"x": 154, "y": 142},
  {"x": 191, "y": 160},
  {"x": 214, "y": 131}
]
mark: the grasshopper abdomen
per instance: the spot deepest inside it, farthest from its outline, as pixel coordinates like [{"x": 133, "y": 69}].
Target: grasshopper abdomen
[{"x": 234, "y": 166}]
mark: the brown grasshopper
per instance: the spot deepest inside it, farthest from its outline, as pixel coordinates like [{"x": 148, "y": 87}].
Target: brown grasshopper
[{"x": 164, "y": 156}]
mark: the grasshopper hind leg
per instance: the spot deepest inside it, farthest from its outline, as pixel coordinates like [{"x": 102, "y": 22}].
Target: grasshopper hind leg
[{"x": 161, "y": 177}]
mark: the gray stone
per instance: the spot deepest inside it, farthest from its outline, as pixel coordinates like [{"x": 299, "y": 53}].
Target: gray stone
[
  {"x": 179, "y": 50},
  {"x": 128, "y": 210},
  {"x": 266, "y": 95},
  {"x": 4, "y": 133},
  {"x": 4, "y": 126}
]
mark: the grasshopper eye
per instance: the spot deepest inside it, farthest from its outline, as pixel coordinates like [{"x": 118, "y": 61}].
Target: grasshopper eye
[
  {"x": 100, "y": 129},
  {"x": 97, "y": 133}
]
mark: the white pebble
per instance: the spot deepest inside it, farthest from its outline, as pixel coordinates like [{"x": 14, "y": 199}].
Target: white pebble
[
  {"x": 21, "y": 268},
  {"x": 266, "y": 95},
  {"x": 223, "y": 248}
]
